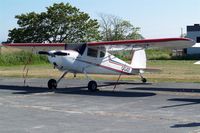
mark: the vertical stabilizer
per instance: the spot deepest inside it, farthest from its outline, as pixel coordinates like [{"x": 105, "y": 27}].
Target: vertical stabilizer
[{"x": 139, "y": 59}]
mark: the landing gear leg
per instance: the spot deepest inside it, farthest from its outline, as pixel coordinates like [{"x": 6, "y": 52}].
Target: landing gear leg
[
  {"x": 92, "y": 85},
  {"x": 52, "y": 83},
  {"x": 144, "y": 80}
]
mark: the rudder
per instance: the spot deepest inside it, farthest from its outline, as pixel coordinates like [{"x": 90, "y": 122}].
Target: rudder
[{"x": 139, "y": 59}]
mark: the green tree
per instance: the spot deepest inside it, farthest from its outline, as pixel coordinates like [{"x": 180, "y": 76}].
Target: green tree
[
  {"x": 114, "y": 28},
  {"x": 60, "y": 23}
]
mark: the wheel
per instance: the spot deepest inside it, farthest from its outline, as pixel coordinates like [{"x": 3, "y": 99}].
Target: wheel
[
  {"x": 92, "y": 86},
  {"x": 144, "y": 80},
  {"x": 52, "y": 84}
]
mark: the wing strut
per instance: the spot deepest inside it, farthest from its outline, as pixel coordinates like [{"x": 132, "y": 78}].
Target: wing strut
[
  {"x": 118, "y": 79},
  {"x": 132, "y": 52},
  {"x": 117, "y": 82}
]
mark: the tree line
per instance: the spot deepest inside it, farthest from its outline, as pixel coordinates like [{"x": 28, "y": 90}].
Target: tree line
[{"x": 65, "y": 23}]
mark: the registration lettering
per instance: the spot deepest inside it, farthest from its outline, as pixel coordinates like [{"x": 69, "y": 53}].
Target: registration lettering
[{"x": 126, "y": 69}]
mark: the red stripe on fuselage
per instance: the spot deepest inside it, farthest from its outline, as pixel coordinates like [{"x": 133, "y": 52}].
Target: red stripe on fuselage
[
  {"x": 118, "y": 63},
  {"x": 104, "y": 67}
]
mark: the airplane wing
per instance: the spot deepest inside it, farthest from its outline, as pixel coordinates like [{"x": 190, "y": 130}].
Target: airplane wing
[
  {"x": 35, "y": 47},
  {"x": 174, "y": 43}
]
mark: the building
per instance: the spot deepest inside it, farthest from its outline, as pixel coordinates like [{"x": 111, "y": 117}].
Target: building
[{"x": 193, "y": 32}]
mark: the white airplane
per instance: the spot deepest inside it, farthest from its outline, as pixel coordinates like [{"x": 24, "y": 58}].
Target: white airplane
[
  {"x": 197, "y": 45},
  {"x": 94, "y": 57}
]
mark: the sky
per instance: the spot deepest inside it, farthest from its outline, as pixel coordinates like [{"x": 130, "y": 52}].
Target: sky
[{"x": 156, "y": 18}]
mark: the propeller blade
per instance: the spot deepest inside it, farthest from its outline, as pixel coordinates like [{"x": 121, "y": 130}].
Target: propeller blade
[
  {"x": 44, "y": 52},
  {"x": 59, "y": 53}
]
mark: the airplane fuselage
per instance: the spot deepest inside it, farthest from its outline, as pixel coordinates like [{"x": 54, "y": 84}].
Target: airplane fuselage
[{"x": 90, "y": 62}]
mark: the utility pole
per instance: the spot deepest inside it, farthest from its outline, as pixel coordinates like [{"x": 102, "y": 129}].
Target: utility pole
[{"x": 182, "y": 34}]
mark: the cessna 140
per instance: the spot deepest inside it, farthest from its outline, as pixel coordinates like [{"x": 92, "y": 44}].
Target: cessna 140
[{"x": 94, "y": 57}]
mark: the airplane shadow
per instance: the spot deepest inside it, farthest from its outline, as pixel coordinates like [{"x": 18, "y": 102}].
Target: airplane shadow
[
  {"x": 75, "y": 91},
  {"x": 193, "y": 124},
  {"x": 187, "y": 101},
  {"x": 189, "y": 90},
  {"x": 126, "y": 83},
  {"x": 180, "y": 90}
]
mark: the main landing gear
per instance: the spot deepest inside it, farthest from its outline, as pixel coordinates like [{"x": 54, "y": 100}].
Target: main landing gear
[
  {"x": 52, "y": 83},
  {"x": 92, "y": 85}
]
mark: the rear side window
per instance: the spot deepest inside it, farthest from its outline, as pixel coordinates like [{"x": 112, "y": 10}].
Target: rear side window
[
  {"x": 92, "y": 52},
  {"x": 198, "y": 40}
]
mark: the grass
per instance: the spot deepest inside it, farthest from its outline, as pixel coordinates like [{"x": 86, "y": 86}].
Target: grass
[
  {"x": 12, "y": 57},
  {"x": 175, "y": 71},
  {"x": 157, "y": 54},
  {"x": 172, "y": 71}
]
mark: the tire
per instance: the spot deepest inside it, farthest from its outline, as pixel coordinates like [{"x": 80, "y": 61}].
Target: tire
[
  {"x": 92, "y": 86},
  {"x": 144, "y": 80},
  {"x": 52, "y": 84}
]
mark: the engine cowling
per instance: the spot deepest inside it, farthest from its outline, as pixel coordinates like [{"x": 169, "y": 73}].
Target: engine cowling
[{"x": 63, "y": 59}]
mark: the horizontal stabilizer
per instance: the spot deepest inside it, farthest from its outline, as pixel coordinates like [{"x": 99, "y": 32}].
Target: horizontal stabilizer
[{"x": 148, "y": 69}]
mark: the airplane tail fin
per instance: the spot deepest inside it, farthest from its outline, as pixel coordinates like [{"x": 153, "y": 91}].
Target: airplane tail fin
[{"x": 139, "y": 59}]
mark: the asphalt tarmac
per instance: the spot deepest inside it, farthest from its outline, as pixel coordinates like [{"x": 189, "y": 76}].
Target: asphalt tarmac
[{"x": 131, "y": 108}]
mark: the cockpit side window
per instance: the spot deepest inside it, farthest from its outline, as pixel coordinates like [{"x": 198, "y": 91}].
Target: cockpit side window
[
  {"x": 102, "y": 54},
  {"x": 92, "y": 52}
]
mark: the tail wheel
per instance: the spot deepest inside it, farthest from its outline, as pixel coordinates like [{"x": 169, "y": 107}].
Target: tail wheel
[
  {"x": 92, "y": 86},
  {"x": 52, "y": 84},
  {"x": 144, "y": 80}
]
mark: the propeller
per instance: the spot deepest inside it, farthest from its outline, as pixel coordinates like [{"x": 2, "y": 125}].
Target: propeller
[
  {"x": 58, "y": 53},
  {"x": 44, "y": 52}
]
